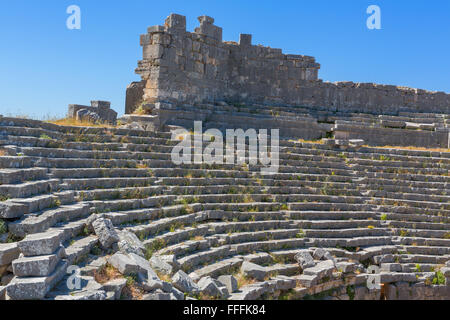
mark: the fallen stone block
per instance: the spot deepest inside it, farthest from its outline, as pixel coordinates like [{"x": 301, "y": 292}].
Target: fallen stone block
[
  {"x": 176, "y": 294},
  {"x": 208, "y": 286},
  {"x": 91, "y": 219},
  {"x": 105, "y": 231},
  {"x": 153, "y": 284},
  {"x": 160, "y": 265},
  {"x": 229, "y": 282},
  {"x": 124, "y": 264},
  {"x": 129, "y": 243},
  {"x": 171, "y": 260},
  {"x": 116, "y": 286},
  {"x": 253, "y": 270},
  {"x": 304, "y": 259},
  {"x": 183, "y": 282},
  {"x": 319, "y": 253},
  {"x": 144, "y": 266}
]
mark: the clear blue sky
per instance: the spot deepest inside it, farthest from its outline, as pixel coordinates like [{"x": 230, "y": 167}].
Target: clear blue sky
[{"x": 44, "y": 66}]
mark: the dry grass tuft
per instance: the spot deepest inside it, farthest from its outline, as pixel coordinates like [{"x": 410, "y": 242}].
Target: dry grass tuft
[
  {"x": 164, "y": 277},
  {"x": 132, "y": 290},
  {"x": 140, "y": 111},
  {"x": 308, "y": 141},
  {"x": 107, "y": 273},
  {"x": 142, "y": 166},
  {"x": 243, "y": 280},
  {"x": 78, "y": 123}
]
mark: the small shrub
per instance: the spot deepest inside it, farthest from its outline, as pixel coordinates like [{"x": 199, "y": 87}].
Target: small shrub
[
  {"x": 300, "y": 234},
  {"x": 46, "y": 137},
  {"x": 439, "y": 278},
  {"x": 3, "y": 227},
  {"x": 351, "y": 292}
]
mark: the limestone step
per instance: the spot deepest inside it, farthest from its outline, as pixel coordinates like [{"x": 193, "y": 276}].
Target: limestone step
[
  {"x": 16, "y": 208},
  {"x": 214, "y": 270},
  {"x": 44, "y": 243},
  {"x": 346, "y": 233},
  {"x": 106, "y": 183},
  {"x": 9, "y": 162},
  {"x": 350, "y": 242},
  {"x": 77, "y": 250},
  {"x": 120, "y": 193},
  {"x": 14, "y": 176},
  {"x": 105, "y": 206},
  {"x": 39, "y": 222},
  {"x": 38, "y": 266},
  {"x": 28, "y": 189},
  {"x": 78, "y": 173}
]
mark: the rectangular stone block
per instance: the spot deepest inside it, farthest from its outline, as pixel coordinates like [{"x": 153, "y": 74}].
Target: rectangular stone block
[
  {"x": 35, "y": 288},
  {"x": 8, "y": 252},
  {"x": 39, "y": 266},
  {"x": 40, "y": 243},
  {"x": 307, "y": 281}
]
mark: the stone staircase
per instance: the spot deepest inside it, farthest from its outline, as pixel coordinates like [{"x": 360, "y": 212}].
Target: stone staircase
[{"x": 363, "y": 205}]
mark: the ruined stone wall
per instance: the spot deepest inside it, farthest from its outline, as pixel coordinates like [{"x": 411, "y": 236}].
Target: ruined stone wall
[
  {"x": 134, "y": 95},
  {"x": 184, "y": 67}
]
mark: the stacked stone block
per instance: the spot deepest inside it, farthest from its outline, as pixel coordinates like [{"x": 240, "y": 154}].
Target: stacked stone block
[{"x": 39, "y": 267}]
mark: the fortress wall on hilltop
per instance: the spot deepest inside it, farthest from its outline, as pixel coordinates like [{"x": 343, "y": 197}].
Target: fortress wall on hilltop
[{"x": 193, "y": 67}]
